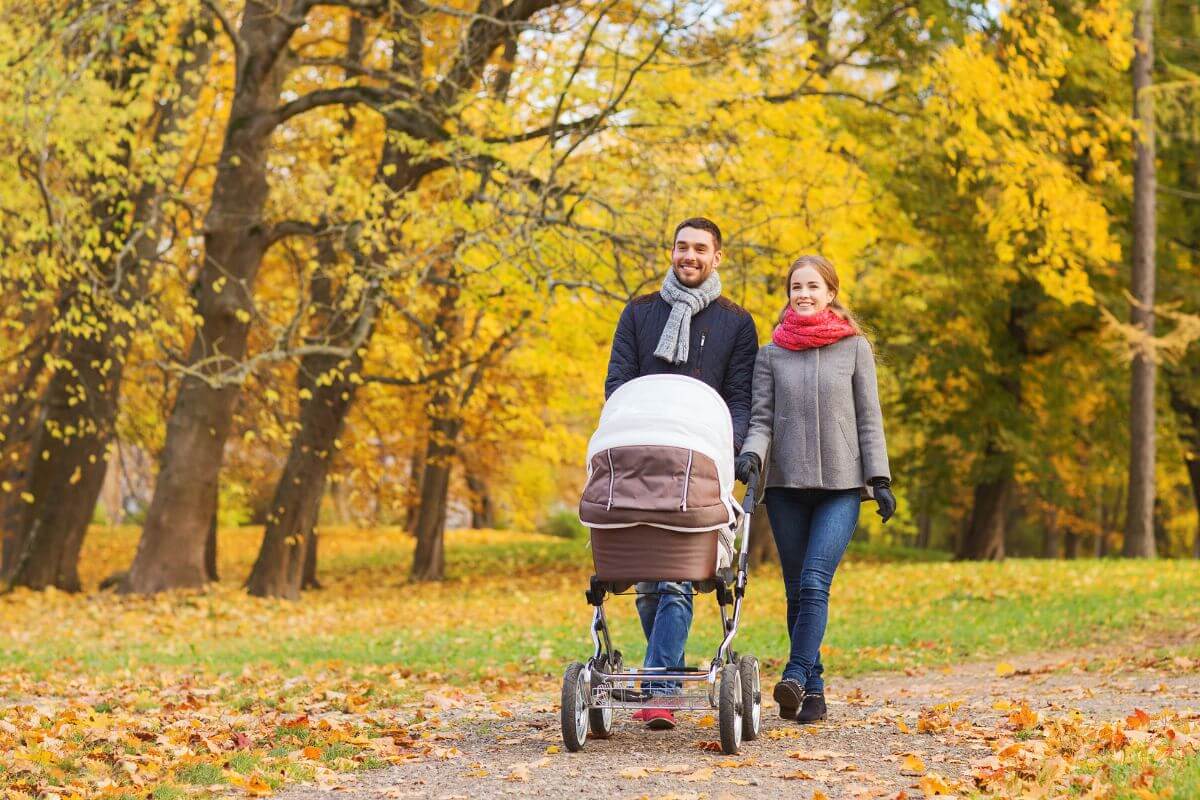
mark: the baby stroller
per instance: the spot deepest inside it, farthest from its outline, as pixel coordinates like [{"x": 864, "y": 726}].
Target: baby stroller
[{"x": 658, "y": 502}]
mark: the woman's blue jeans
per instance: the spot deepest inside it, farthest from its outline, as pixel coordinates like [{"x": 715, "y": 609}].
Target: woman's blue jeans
[{"x": 812, "y": 528}]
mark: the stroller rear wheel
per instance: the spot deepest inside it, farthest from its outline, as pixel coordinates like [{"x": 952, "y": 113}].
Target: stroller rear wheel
[
  {"x": 730, "y": 709},
  {"x": 751, "y": 698},
  {"x": 574, "y": 712},
  {"x": 600, "y": 720}
]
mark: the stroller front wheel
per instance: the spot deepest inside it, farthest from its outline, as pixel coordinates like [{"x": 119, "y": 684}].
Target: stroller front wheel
[
  {"x": 600, "y": 720},
  {"x": 730, "y": 709},
  {"x": 574, "y": 711}
]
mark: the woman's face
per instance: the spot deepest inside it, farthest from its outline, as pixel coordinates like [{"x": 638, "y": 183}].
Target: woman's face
[{"x": 808, "y": 292}]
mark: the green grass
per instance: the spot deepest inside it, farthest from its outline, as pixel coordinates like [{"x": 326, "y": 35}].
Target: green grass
[
  {"x": 514, "y": 604},
  {"x": 200, "y": 774},
  {"x": 1171, "y": 777}
]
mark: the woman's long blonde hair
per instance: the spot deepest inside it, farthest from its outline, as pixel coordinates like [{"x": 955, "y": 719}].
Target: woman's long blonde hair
[{"x": 825, "y": 269}]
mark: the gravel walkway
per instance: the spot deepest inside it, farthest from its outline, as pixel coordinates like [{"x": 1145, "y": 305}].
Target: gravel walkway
[{"x": 946, "y": 719}]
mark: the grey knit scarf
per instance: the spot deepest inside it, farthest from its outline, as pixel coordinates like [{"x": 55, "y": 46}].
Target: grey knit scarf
[{"x": 685, "y": 303}]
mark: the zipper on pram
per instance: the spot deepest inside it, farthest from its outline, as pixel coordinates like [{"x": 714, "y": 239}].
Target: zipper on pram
[{"x": 687, "y": 477}]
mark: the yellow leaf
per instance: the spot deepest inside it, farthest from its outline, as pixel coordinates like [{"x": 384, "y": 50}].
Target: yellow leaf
[
  {"x": 1004, "y": 669},
  {"x": 934, "y": 784},
  {"x": 633, "y": 772},
  {"x": 707, "y": 721},
  {"x": 912, "y": 765},
  {"x": 703, "y": 774}
]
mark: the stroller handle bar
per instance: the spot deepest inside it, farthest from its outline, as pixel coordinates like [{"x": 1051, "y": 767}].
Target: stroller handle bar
[{"x": 751, "y": 493}]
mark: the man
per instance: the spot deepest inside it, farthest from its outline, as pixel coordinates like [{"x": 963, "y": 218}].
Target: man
[{"x": 685, "y": 328}]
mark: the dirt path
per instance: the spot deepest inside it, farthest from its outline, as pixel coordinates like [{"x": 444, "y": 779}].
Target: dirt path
[{"x": 949, "y": 720}]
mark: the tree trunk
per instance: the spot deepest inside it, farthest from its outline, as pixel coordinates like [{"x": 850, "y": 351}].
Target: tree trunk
[
  {"x": 279, "y": 569},
  {"x": 483, "y": 515},
  {"x": 309, "y": 581},
  {"x": 985, "y": 533},
  {"x": 210, "y": 551},
  {"x": 170, "y": 553},
  {"x": 429, "y": 559},
  {"x": 67, "y": 471},
  {"x": 1139, "y": 527},
  {"x": 1051, "y": 535},
  {"x": 924, "y": 526},
  {"x": 1071, "y": 545}
]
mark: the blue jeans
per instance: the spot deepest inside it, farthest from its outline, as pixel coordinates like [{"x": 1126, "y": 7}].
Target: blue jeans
[
  {"x": 812, "y": 528},
  {"x": 666, "y": 619}
]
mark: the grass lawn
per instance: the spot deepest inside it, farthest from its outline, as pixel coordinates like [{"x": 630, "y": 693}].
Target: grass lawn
[{"x": 514, "y": 603}]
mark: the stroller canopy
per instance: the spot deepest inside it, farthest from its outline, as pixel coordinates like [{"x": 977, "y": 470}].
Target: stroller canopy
[{"x": 670, "y": 411}]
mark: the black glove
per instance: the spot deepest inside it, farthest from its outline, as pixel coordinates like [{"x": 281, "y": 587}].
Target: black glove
[
  {"x": 747, "y": 464},
  {"x": 884, "y": 497}
]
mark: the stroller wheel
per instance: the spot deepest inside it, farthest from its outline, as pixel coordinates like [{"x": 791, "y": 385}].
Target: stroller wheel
[
  {"x": 574, "y": 714},
  {"x": 600, "y": 720},
  {"x": 729, "y": 709},
  {"x": 751, "y": 698}
]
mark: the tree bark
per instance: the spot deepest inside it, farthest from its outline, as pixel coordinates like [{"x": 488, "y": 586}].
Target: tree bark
[
  {"x": 1071, "y": 545},
  {"x": 985, "y": 533},
  {"x": 1139, "y": 527},
  {"x": 210, "y": 551},
  {"x": 309, "y": 581},
  {"x": 429, "y": 559},
  {"x": 67, "y": 471},
  {"x": 1051, "y": 535},
  {"x": 483, "y": 514},
  {"x": 279, "y": 569},
  {"x": 170, "y": 553}
]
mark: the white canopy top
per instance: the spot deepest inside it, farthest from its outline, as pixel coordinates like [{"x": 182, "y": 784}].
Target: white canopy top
[{"x": 673, "y": 411}]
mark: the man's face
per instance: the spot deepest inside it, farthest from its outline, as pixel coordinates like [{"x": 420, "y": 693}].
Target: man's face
[{"x": 694, "y": 256}]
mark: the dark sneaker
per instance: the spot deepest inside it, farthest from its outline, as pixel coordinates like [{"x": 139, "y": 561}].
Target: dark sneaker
[
  {"x": 789, "y": 694},
  {"x": 659, "y": 719},
  {"x": 813, "y": 708}
]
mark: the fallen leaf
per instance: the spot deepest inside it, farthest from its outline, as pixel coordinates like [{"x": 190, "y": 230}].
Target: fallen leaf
[
  {"x": 1138, "y": 719},
  {"x": 798, "y": 775},
  {"x": 520, "y": 772},
  {"x": 912, "y": 765},
  {"x": 934, "y": 784},
  {"x": 634, "y": 772},
  {"x": 1004, "y": 669},
  {"x": 703, "y": 774},
  {"x": 707, "y": 721}
]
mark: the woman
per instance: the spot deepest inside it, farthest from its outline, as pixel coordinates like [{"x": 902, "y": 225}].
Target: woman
[{"x": 815, "y": 409}]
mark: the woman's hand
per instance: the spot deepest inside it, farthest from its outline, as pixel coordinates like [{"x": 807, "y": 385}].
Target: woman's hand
[
  {"x": 746, "y": 465},
  {"x": 883, "y": 497}
]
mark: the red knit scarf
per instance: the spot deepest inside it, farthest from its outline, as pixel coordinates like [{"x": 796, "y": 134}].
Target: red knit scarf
[{"x": 798, "y": 332}]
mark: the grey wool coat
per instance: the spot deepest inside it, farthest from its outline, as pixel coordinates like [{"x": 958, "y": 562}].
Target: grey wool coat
[{"x": 815, "y": 421}]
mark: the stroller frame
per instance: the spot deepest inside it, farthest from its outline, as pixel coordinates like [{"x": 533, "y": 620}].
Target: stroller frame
[{"x": 594, "y": 689}]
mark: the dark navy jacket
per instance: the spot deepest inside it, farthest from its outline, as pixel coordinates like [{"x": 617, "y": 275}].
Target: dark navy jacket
[{"x": 721, "y": 353}]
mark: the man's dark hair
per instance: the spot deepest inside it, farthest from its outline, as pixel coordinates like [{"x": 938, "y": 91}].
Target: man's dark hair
[{"x": 702, "y": 224}]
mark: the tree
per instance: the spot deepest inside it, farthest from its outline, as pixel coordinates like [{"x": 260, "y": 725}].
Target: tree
[
  {"x": 1139, "y": 528},
  {"x": 117, "y": 244}
]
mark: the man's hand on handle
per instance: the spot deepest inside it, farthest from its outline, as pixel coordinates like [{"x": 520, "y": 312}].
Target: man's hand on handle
[{"x": 745, "y": 466}]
